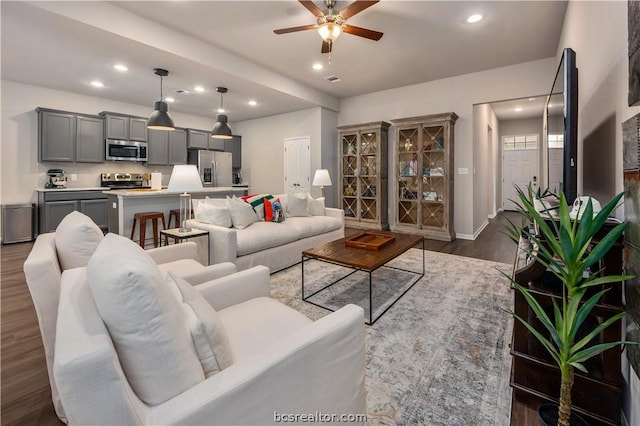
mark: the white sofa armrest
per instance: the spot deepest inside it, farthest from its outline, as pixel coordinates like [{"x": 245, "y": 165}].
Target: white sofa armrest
[
  {"x": 166, "y": 254},
  {"x": 236, "y": 288},
  {"x": 337, "y": 213},
  {"x": 223, "y": 242},
  {"x": 321, "y": 368},
  {"x": 210, "y": 273}
]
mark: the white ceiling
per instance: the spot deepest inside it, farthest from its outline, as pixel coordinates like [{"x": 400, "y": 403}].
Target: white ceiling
[{"x": 64, "y": 45}]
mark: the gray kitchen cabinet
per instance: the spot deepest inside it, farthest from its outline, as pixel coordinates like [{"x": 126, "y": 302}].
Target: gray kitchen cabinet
[
  {"x": 56, "y": 135},
  {"x": 55, "y": 205},
  {"x": 234, "y": 146},
  {"x": 178, "y": 146},
  {"x": 216, "y": 144},
  {"x": 138, "y": 130},
  {"x": 158, "y": 147},
  {"x": 198, "y": 139},
  {"x": 167, "y": 148},
  {"x": 89, "y": 139},
  {"x": 124, "y": 127}
]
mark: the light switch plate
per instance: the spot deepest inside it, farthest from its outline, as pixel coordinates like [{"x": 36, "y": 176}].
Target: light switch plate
[{"x": 463, "y": 171}]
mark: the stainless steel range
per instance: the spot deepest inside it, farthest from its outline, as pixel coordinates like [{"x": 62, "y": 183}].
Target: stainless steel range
[{"x": 124, "y": 180}]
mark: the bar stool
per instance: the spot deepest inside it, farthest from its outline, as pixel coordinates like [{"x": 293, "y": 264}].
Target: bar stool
[{"x": 142, "y": 217}]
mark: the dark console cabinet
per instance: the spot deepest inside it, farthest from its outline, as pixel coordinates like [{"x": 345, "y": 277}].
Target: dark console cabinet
[
  {"x": 535, "y": 378},
  {"x": 54, "y": 205}
]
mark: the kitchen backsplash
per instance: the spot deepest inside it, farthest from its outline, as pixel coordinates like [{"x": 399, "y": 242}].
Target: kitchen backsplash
[{"x": 88, "y": 175}]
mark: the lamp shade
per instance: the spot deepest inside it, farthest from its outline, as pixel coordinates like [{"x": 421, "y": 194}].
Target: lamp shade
[
  {"x": 184, "y": 178},
  {"x": 321, "y": 178},
  {"x": 221, "y": 129},
  {"x": 160, "y": 118}
]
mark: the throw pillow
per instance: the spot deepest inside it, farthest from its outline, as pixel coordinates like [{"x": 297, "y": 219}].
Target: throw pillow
[
  {"x": 147, "y": 324},
  {"x": 208, "y": 334},
  {"x": 257, "y": 202},
  {"x": 215, "y": 215},
  {"x": 273, "y": 210},
  {"x": 242, "y": 214},
  {"x": 77, "y": 237},
  {"x": 297, "y": 204},
  {"x": 316, "y": 206}
]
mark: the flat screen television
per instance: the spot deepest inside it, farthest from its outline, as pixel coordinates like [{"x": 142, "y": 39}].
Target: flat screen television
[{"x": 562, "y": 128}]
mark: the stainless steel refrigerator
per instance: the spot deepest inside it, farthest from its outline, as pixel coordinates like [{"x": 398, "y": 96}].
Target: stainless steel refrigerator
[{"x": 214, "y": 167}]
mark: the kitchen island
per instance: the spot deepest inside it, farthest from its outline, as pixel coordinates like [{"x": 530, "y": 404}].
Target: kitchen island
[{"x": 122, "y": 204}]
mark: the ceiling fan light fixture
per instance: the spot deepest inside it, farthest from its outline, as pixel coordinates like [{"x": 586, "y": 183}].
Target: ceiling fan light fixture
[
  {"x": 329, "y": 31},
  {"x": 221, "y": 129},
  {"x": 160, "y": 118}
]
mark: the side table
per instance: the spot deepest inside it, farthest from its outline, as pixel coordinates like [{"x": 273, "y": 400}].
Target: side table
[{"x": 179, "y": 236}]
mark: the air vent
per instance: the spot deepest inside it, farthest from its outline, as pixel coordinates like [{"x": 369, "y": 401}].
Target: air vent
[
  {"x": 183, "y": 92},
  {"x": 332, "y": 79}
]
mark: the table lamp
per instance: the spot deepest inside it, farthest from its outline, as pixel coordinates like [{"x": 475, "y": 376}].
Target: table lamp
[
  {"x": 321, "y": 179},
  {"x": 184, "y": 177}
]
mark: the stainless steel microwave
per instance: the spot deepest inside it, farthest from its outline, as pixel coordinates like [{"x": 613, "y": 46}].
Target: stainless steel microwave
[{"x": 120, "y": 150}]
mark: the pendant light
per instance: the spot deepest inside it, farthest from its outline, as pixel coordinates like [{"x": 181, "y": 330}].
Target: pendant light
[
  {"x": 160, "y": 118},
  {"x": 221, "y": 129}
]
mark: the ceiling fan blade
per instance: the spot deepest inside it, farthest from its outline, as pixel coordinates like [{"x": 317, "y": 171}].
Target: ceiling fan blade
[
  {"x": 362, "y": 32},
  {"x": 294, "y": 29},
  {"x": 311, "y": 7},
  {"x": 326, "y": 47},
  {"x": 356, "y": 7}
]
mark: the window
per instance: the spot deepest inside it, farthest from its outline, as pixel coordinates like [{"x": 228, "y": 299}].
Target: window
[
  {"x": 555, "y": 140},
  {"x": 520, "y": 142}
]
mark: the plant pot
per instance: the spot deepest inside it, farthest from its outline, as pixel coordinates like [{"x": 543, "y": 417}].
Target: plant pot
[{"x": 548, "y": 416}]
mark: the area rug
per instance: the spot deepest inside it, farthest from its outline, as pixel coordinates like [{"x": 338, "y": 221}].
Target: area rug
[{"x": 438, "y": 356}]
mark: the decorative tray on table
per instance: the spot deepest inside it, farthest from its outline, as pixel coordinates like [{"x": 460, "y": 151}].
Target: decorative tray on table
[{"x": 369, "y": 240}]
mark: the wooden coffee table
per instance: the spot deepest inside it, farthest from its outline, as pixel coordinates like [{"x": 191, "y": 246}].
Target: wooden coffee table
[{"x": 361, "y": 259}]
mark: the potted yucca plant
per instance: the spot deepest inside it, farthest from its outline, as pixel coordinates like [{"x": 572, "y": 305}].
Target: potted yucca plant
[{"x": 566, "y": 248}]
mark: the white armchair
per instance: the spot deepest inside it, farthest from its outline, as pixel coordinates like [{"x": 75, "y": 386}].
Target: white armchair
[
  {"x": 78, "y": 235},
  {"x": 285, "y": 364}
]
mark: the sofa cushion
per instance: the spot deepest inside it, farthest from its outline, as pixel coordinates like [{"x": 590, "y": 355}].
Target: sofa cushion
[
  {"x": 258, "y": 323},
  {"x": 297, "y": 204},
  {"x": 264, "y": 235},
  {"x": 147, "y": 324},
  {"x": 196, "y": 202},
  {"x": 181, "y": 267},
  {"x": 242, "y": 214},
  {"x": 77, "y": 237},
  {"x": 316, "y": 206},
  {"x": 208, "y": 334},
  {"x": 257, "y": 203},
  {"x": 273, "y": 210},
  {"x": 313, "y": 225},
  {"x": 214, "y": 214}
]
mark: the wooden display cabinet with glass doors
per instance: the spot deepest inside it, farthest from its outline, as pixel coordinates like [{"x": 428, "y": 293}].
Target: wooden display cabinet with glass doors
[
  {"x": 363, "y": 175},
  {"x": 423, "y": 175}
]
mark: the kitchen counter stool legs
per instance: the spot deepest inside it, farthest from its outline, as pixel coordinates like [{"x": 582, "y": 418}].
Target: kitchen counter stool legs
[{"x": 142, "y": 217}]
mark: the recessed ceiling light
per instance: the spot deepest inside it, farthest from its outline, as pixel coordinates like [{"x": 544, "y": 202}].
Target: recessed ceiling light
[
  {"x": 97, "y": 83},
  {"x": 199, "y": 89},
  {"x": 253, "y": 103},
  {"x": 532, "y": 99},
  {"x": 317, "y": 66},
  {"x": 121, "y": 67},
  {"x": 518, "y": 109},
  {"x": 169, "y": 99},
  {"x": 474, "y": 18},
  {"x": 221, "y": 110}
]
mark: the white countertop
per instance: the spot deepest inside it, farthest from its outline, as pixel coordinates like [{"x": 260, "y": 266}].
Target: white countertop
[
  {"x": 91, "y": 188},
  {"x": 164, "y": 192}
]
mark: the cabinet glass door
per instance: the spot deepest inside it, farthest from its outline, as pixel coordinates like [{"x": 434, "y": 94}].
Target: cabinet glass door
[
  {"x": 433, "y": 176},
  {"x": 368, "y": 175},
  {"x": 349, "y": 148},
  {"x": 408, "y": 177}
]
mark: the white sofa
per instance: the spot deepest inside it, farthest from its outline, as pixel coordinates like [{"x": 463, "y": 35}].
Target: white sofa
[
  {"x": 44, "y": 267},
  {"x": 275, "y": 245},
  {"x": 284, "y": 364}
]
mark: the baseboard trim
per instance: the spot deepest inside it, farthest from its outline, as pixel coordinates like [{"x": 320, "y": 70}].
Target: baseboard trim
[{"x": 464, "y": 236}]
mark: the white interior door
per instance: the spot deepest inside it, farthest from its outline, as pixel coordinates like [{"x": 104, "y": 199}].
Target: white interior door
[
  {"x": 297, "y": 164},
  {"x": 519, "y": 167}
]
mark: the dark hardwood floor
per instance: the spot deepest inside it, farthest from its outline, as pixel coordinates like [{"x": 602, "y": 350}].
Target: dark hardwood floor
[{"x": 25, "y": 392}]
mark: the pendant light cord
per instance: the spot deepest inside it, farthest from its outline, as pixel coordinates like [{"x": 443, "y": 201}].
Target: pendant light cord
[{"x": 161, "y": 89}]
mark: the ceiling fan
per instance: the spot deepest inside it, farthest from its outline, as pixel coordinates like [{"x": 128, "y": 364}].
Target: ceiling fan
[{"x": 331, "y": 24}]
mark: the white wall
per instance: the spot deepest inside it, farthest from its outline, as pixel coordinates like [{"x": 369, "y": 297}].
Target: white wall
[
  {"x": 485, "y": 146},
  {"x": 602, "y": 61},
  {"x": 455, "y": 94},
  {"x": 263, "y": 147},
  {"x": 329, "y": 156},
  {"x": 20, "y": 171}
]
